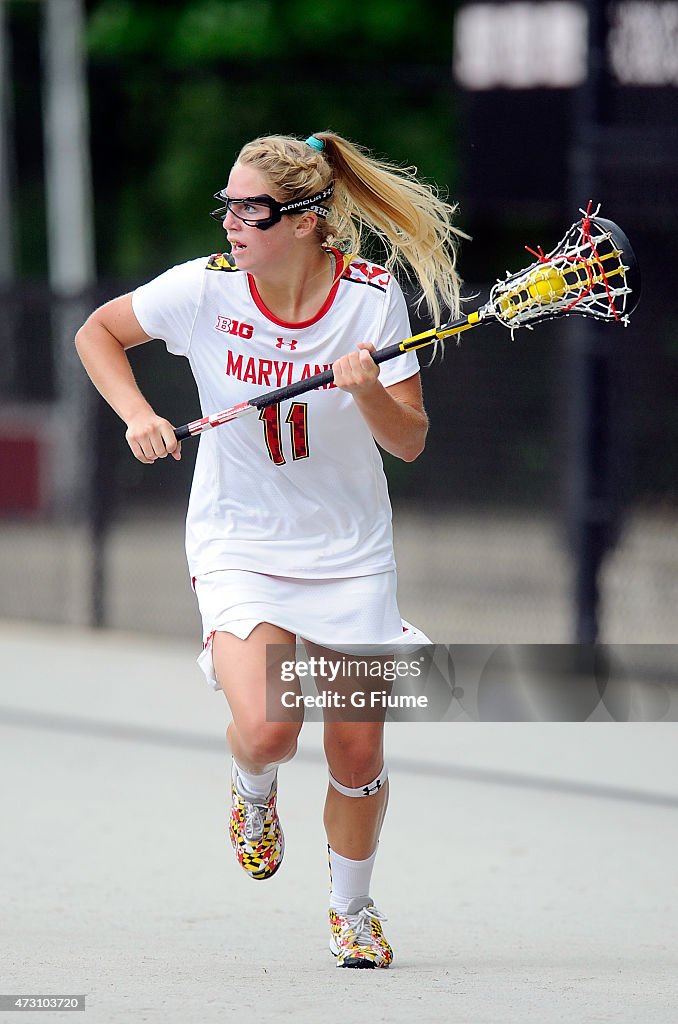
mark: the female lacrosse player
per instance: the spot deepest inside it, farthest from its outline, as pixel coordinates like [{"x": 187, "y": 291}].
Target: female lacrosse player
[{"x": 289, "y": 522}]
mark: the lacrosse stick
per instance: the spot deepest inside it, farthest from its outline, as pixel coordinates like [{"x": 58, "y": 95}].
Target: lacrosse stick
[{"x": 591, "y": 272}]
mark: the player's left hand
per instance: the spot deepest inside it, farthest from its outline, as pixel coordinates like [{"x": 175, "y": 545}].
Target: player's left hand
[{"x": 357, "y": 372}]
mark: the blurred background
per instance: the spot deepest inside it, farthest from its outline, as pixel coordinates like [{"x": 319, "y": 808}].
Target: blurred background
[{"x": 545, "y": 508}]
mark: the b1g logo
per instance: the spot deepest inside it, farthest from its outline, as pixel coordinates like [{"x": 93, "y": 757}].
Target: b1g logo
[{"x": 228, "y": 326}]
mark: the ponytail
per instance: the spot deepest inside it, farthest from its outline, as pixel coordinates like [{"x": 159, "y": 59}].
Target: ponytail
[{"x": 413, "y": 223}]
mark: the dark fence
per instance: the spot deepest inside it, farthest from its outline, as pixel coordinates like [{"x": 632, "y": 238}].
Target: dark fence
[
  {"x": 498, "y": 406},
  {"x": 481, "y": 518}
]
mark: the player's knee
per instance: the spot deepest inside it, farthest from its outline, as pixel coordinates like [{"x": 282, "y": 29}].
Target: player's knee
[
  {"x": 355, "y": 762},
  {"x": 269, "y": 742}
]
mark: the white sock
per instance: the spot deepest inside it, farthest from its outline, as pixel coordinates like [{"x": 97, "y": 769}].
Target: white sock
[
  {"x": 349, "y": 878},
  {"x": 254, "y": 786}
]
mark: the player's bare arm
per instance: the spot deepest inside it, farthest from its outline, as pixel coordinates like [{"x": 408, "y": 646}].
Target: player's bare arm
[
  {"x": 102, "y": 344},
  {"x": 396, "y": 414}
]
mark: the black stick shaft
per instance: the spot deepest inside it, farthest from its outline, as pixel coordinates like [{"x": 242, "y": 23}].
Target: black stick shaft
[{"x": 318, "y": 380}]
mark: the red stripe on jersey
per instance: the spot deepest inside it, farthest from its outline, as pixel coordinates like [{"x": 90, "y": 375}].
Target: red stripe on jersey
[{"x": 259, "y": 302}]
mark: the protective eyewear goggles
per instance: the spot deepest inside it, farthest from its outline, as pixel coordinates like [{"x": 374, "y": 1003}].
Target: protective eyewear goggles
[{"x": 263, "y": 211}]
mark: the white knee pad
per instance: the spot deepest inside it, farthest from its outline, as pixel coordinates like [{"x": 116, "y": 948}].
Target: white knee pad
[{"x": 369, "y": 790}]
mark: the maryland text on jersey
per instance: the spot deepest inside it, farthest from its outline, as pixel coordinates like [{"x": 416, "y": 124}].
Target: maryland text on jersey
[{"x": 272, "y": 373}]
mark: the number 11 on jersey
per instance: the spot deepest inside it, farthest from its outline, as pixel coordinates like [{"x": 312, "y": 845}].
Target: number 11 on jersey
[{"x": 297, "y": 418}]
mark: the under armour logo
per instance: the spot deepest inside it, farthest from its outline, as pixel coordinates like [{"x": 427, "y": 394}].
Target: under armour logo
[
  {"x": 369, "y": 790},
  {"x": 289, "y": 344}
]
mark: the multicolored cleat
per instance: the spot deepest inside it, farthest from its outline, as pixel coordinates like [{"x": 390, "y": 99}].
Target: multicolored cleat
[
  {"x": 255, "y": 832},
  {"x": 357, "y": 939}
]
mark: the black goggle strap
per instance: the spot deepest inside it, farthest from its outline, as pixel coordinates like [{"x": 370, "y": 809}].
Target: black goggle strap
[{"x": 310, "y": 203}]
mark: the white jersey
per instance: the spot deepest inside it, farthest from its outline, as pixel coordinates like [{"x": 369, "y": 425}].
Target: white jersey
[{"x": 298, "y": 490}]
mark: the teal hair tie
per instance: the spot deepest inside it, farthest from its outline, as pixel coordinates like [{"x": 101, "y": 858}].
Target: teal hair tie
[{"x": 314, "y": 143}]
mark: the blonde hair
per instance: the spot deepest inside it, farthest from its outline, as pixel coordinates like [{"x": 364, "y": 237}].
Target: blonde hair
[{"x": 407, "y": 215}]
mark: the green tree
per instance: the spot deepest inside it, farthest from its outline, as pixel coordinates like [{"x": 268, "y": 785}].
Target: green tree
[{"x": 177, "y": 88}]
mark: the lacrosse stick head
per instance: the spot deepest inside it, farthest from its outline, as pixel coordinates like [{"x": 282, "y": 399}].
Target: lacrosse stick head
[{"x": 591, "y": 272}]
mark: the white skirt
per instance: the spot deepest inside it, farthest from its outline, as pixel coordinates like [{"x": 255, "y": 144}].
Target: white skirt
[{"x": 338, "y": 614}]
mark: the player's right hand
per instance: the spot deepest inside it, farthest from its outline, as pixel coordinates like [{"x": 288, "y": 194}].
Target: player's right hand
[{"x": 151, "y": 437}]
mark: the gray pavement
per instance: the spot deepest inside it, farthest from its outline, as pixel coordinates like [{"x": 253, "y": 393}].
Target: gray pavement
[{"x": 527, "y": 870}]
